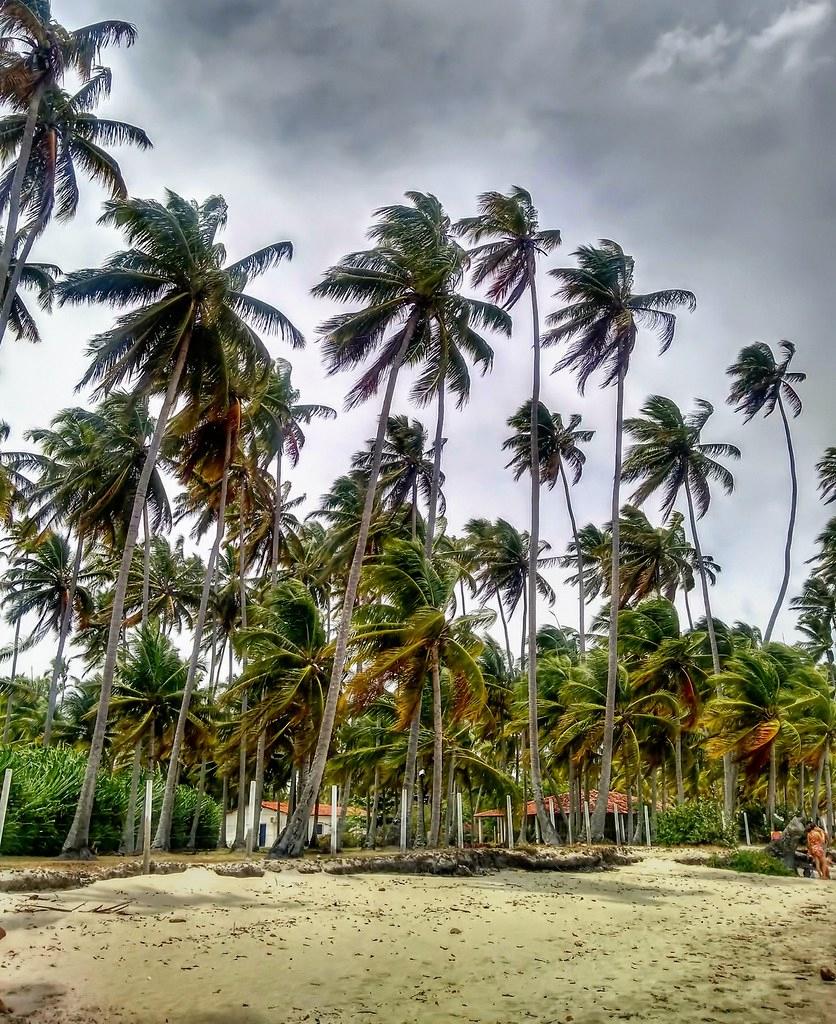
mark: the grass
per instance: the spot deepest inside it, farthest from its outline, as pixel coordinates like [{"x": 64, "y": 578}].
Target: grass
[{"x": 754, "y": 862}]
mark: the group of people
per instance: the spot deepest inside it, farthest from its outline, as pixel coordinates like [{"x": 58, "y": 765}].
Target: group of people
[{"x": 817, "y": 849}]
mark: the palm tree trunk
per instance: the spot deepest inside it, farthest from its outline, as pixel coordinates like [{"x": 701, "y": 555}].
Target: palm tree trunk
[
  {"x": 14, "y": 282},
  {"x": 522, "y": 835},
  {"x": 688, "y": 609},
  {"x": 435, "y": 486},
  {"x": 450, "y": 816},
  {"x": 292, "y": 842},
  {"x": 7, "y": 723},
  {"x": 461, "y": 589},
  {"x": 129, "y": 828},
  {"x": 828, "y": 789},
  {"x": 814, "y": 807},
  {"x": 728, "y": 775},
  {"x": 438, "y": 752},
  {"x": 572, "y": 795},
  {"x": 677, "y": 763},
  {"x": 241, "y": 823},
  {"x": 162, "y": 838},
  {"x": 277, "y": 517},
  {"x": 77, "y": 843},
  {"x": 599, "y": 815},
  {"x": 770, "y": 793},
  {"x": 581, "y": 587},
  {"x": 346, "y": 796},
  {"x": 15, "y": 195},
  {"x": 413, "y": 515},
  {"x": 372, "y": 840},
  {"x": 259, "y": 784},
  {"x": 146, "y": 565},
  {"x": 410, "y": 767},
  {"x": 504, "y": 622},
  {"x": 66, "y": 619},
  {"x": 201, "y": 786},
  {"x": 782, "y": 593},
  {"x": 224, "y": 802}
]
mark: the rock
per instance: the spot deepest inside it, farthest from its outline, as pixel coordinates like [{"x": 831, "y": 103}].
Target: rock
[
  {"x": 827, "y": 974},
  {"x": 455, "y": 931},
  {"x": 785, "y": 847},
  {"x": 2, "y": 933},
  {"x": 241, "y": 869}
]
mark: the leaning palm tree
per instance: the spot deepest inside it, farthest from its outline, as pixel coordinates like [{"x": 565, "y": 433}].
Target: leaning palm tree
[
  {"x": 559, "y": 447},
  {"x": 188, "y": 306},
  {"x": 601, "y": 321},
  {"x": 759, "y": 384},
  {"x": 670, "y": 456},
  {"x": 40, "y": 278},
  {"x": 405, "y": 285},
  {"x": 35, "y": 52},
  {"x": 508, "y": 261}
]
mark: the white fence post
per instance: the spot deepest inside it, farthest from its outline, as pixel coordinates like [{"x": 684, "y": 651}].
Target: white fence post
[
  {"x": 250, "y": 839},
  {"x": 4, "y": 799},
  {"x": 334, "y": 819},
  {"x": 146, "y": 826},
  {"x": 509, "y": 815},
  {"x": 617, "y": 827},
  {"x": 405, "y": 809},
  {"x": 586, "y": 821},
  {"x": 459, "y": 819},
  {"x": 746, "y": 828},
  {"x": 646, "y": 826}
]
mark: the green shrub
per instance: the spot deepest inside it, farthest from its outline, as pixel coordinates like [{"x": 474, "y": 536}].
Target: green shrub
[
  {"x": 755, "y": 862},
  {"x": 45, "y": 787},
  {"x": 696, "y": 823}
]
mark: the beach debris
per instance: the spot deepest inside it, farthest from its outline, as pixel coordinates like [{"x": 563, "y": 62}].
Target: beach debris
[
  {"x": 242, "y": 869},
  {"x": 2, "y": 933},
  {"x": 827, "y": 974}
]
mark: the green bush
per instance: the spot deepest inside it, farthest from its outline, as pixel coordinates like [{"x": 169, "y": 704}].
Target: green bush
[
  {"x": 696, "y": 823},
  {"x": 755, "y": 862},
  {"x": 45, "y": 787}
]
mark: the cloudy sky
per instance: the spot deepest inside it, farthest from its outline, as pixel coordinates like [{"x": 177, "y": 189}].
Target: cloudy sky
[{"x": 700, "y": 136}]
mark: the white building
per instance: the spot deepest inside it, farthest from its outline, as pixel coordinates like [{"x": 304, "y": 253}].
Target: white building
[{"x": 274, "y": 818}]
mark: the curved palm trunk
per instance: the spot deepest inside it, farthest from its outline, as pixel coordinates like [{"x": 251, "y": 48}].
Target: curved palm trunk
[
  {"x": 728, "y": 774},
  {"x": 162, "y": 837},
  {"x": 77, "y": 843},
  {"x": 688, "y": 609},
  {"x": 277, "y": 517},
  {"x": 547, "y": 830},
  {"x": 66, "y": 619},
  {"x": 599, "y": 815},
  {"x": 581, "y": 586},
  {"x": 7, "y": 723},
  {"x": 782, "y": 593},
  {"x": 438, "y": 753},
  {"x": 10, "y": 239},
  {"x": 146, "y": 564},
  {"x": 14, "y": 281},
  {"x": 292, "y": 842}
]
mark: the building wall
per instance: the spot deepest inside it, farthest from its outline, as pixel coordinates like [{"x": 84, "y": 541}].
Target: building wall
[{"x": 269, "y": 827}]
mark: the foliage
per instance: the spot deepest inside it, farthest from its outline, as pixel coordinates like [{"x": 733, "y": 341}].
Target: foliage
[
  {"x": 756, "y": 862},
  {"x": 695, "y": 823}
]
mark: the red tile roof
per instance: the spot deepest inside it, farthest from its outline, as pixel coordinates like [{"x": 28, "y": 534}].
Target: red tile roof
[
  {"x": 616, "y": 802},
  {"x": 324, "y": 809}
]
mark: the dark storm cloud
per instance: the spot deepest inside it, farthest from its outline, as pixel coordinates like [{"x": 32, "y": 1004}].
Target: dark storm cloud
[{"x": 701, "y": 136}]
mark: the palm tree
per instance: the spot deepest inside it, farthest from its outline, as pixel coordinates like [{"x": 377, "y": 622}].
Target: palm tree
[
  {"x": 40, "y": 278},
  {"x": 509, "y": 262},
  {"x": 826, "y": 469},
  {"x": 759, "y": 383},
  {"x": 601, "y": 320},
  {"x": 405, "y": 285},
  {"x": 278, "y": 418},
  {"x": 406, "y": 467},
  {"x": 36, "y": 52},
  {"x": 559, "y": 446},
  {"x": 68, "y": 138},
  {"x": 188, "y": 305}
]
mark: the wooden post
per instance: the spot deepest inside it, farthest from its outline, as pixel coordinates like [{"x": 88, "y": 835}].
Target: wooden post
[
  {"x": 250, "y": 838},
  {"x": 569, "y": 819},
  {"x": 146, "y": 827},
  {"x": 646, "y": 827},
  {"x": 334, "y": 825},
  {"x": 586, "y": 821},
  {"x": 746, "y": 828},
  {"x": 459, "y": 819},
  {"x": 509, "y": 817},
  {"x": 4, "y": 799},
  {"x": 404, "y": 812},
  {"x": 479, "y": 829}
]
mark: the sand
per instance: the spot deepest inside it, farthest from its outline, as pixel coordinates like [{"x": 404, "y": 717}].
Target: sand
[{"x": 655, "y": 941}]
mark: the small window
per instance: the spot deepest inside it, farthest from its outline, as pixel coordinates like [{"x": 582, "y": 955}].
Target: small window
[{"x": 320, "y": 828}]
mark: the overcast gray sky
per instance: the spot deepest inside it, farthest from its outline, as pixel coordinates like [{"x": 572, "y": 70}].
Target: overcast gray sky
[{"x": 700, "y": 136}]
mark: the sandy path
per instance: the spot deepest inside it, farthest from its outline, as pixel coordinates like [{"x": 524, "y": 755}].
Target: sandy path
[{"x": 653, "y": 942}]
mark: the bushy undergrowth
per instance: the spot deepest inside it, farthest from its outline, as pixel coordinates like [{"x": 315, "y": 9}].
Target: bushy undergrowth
[
  {"x": 45, "y": 788},
  {"x": 696, "y": 823},
  {"x": 755, "y": 862}
]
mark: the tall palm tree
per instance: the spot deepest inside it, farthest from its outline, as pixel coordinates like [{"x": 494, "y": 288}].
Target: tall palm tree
[
  {"x": 601, "y": 321},
  {"x": 508, "y": 261},
  {"x": 404, "y": 285},
  {"x": 278, "y": 418},
  {"x": 34, "y": 55},
  {"x": 188, "y": 305},
  {"x": 38, "y": 277},
  {"x": 669, "y": 455},
  {"x": 68, "y": 138},
  {"x": 559, "y": 446},
  {"x": 759, "y": 383}
]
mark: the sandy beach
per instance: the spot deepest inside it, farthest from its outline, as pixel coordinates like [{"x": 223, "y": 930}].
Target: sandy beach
[{"x": 655, "y": 941}]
